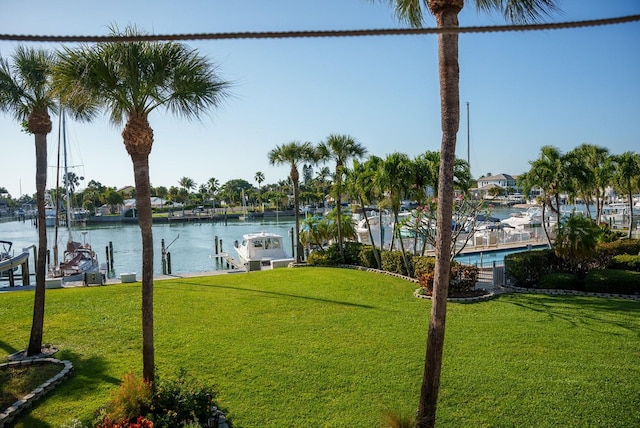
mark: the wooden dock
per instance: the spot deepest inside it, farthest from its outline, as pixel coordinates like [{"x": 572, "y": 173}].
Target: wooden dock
[{"x": 226, "y": 258}]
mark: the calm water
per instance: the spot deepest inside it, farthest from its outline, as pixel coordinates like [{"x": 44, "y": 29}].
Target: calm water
[
  {"x": 488, "y": 257},
  {"x": 189, "y": 252},
  {"x": 190, "y": 244}
]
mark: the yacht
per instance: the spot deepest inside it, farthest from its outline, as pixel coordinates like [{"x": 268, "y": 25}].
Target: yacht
[{"x": 262, "y": 248}]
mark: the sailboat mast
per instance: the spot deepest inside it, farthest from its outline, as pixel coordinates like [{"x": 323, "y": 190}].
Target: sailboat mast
[
  {"x": 55, "y": 240},
  {"x": 66, "y": 174}
]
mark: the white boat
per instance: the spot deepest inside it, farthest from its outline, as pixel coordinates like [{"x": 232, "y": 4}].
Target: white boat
[
  {"x": 50, "y": 215},
  {"x": 531, "y": 217},
  {"x": 616, "y": 214},
  {"x": 6, "y": 254},
  {"x": 262, "y": 248},
  {"x": 373, "y": 222}
]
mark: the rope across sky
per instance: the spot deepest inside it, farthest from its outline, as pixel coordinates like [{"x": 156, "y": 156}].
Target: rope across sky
[{"x": 315, "y": 34}]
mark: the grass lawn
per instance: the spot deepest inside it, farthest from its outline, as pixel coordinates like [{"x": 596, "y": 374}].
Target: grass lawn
[{"x": 328, "y": 347}]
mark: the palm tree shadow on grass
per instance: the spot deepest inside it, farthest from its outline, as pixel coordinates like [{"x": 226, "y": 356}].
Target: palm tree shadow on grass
[
  {"x": 86, "y": 370},
  {"x": 7, "y": 348},
  {"x": 274, "y": 293},
  {"x": 583, "y": 312}
]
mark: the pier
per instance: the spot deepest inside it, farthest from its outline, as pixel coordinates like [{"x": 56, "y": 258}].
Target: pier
[{"x": 8, "y": 266}]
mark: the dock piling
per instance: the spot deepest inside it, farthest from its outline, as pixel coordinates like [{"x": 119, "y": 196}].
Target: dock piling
[
  {"x": 111, "y": 256},
  {"x": 164, "y": 257}
]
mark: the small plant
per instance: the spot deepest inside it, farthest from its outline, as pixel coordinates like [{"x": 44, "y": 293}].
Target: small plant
[
  {"x": 129, "y": 402},
  {"x": 73, "y": 423},
  {"x": 179, "y": 402}
]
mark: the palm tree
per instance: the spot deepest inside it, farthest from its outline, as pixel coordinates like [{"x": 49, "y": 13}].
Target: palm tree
[
  {"x": 323, "y": 177},
  {"x": 446, "y": 16},
  {"x": 26, "y": 93},
  {"x": 259, "y": 177},
  {"x": 130, "y": 80},
  {"x": 396, "y": 176},
  {"x": 187, "y": 185},
  {"x": 340, "y": 148},
  {"x": 592, "y": 170},
  {"x": 360, "y": 182},
  {"x": 628, "y": 179},
  {"x": 551, "y": 172},
  {"x": 213, "y": 185},
  {"x": 293, "y": 154}
]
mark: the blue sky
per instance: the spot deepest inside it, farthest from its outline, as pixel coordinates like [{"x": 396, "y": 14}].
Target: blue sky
[{"x": 525, "y": 89}]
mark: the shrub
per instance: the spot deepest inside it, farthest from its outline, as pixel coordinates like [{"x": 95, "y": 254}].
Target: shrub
[
  {"x": 423, "y": 264},
  {"x": 625, "y": 262},
  {"x": 367, "y": 257},
  {"x": 181, "y": 400},
  {"x": 131, "y": 400},
  {"x": 559, "y": 281},
  {"x": 392, "y": 262},
  {"x": 463, "y": 278},
  {"x": 606, "y": 250},
  {"x": 352, "y": 253},
  {"x": 525, "y": 269},
  {"x": 330, "y": 256},
  {"x": 613, "y": 281},
  {"x": 318, "y": 258}
]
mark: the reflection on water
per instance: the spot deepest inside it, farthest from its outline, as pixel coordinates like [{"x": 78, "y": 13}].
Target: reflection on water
[{"x": 189, "y": 252}]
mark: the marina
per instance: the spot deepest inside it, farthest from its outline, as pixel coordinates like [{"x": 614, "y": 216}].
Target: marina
[
  {"x": 191, "y": 243},
  {"x": 198, "y": 246}
]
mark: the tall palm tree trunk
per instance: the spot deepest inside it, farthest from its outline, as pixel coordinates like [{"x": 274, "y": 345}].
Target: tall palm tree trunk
[
  {"x": 398, "y": 230},
  {"x": 296, "y": 203},
  {"x": 373, "y": 244},
  {"x": 446, "y": 14},
  {"x": 138, "y": 140},
  {"x": 145, "y": 214},
  {"x": 37, "y": 326},
  {"x": 630, "y": 202},
  {"x": 339, "y": 221}
]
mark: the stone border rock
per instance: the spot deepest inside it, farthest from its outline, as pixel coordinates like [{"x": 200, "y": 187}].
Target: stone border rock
[
  {"x": 488, "y": 296},
  {"x": 8, "y": 415},
  {"x": 560, "y": 292}
]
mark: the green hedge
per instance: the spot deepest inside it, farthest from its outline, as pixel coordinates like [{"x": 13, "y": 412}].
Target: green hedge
[
  {"x": 613, "y": 281},
  {"x": 423, "y": 264},
  {"x": 559, "y": 281},
  {"x": 606, "y": 250},
  {"x": 525, "y": 269},
  {"x": 625, "y": 262},
  {"x": 367, "y": 257},
  {"x": 330, "y": 256},
  {"x": 392, "y": 262}
]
